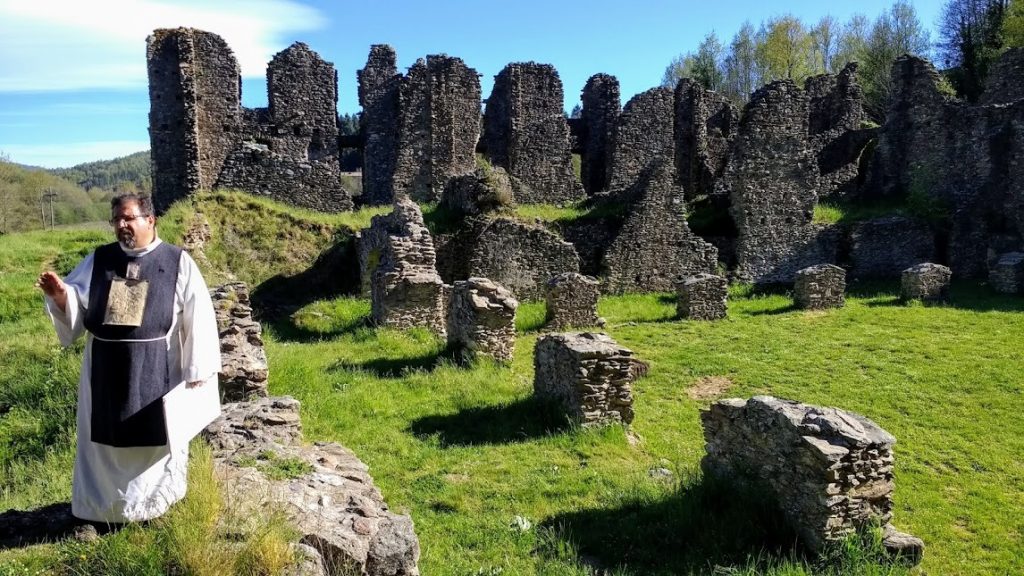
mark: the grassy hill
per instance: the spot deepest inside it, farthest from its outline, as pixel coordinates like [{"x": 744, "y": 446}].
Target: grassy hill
[{"x": 498, "y": 484}]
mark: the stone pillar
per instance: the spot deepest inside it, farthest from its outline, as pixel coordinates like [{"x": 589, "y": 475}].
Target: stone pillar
[
  {"x": 1007, "y": 275},
  {"x": 601, "y": 107},
  {"x": 702, "y": 297},
  {"x": 819, "y": 287},
  {"x": 588, "y": 373},
  {"x": 929, "y": 282},
  {"x": 482, "y": 319},
  {"x": 643, "y": 135},
  {"x": 378, "y": 95},
  {"x": 572, "y": 301},
  {"x": 705, "y": 122},
  {"x": 829, "y": 471},
  {"x": 244, "y": 370}
]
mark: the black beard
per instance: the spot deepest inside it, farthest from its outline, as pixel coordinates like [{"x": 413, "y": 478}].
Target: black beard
[{"x": 127, "y": 239}]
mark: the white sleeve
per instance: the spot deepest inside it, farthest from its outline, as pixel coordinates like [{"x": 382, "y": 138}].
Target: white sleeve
[
  {"x": 200, "y": 339},
  {"x": 70, "y": 324}
]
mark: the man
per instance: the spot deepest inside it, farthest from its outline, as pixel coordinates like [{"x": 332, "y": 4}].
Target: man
[{"x": 149, "y": 372}]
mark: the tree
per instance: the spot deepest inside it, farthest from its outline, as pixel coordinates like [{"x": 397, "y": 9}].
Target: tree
[
  {"x": 786, "y": 51},
  {"x": 1013, "y": 25},
  {"x": 894, "y": 33},
  {"x": 852, "y": 44},
  {"x": 707, "y": 63},
  {"x": 680, "y": 67},
  {"x": 741, "y": 75},
  {"x": 970, "y": 39},
  {"x": 824, "y": 42},
  {"x": 348, "y": 124},
  {"x": 577, "y": 111}
]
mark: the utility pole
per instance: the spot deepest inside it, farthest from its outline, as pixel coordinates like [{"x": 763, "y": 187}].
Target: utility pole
[{"x": 50, "y": 195}]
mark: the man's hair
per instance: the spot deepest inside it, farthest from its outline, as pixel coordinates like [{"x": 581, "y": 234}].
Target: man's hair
[{"x": 144, "y": 202}]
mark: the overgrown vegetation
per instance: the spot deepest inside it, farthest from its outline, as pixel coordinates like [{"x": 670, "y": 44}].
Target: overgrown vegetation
[{"x": 465, "y": 450}]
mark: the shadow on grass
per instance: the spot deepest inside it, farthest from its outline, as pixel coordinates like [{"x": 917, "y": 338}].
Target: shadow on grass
[
  {"x": 285, "y": 329},
  {"x": 976, "y": 296},
  {"x": 501, "y": 424},
  {"x": 399, "y": 367},
  {"x": 46, "y": 524},
  {"x": 705, "y": 527}
]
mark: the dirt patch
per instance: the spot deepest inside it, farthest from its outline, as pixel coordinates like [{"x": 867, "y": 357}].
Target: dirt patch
[{"x": 708, "y": 387}]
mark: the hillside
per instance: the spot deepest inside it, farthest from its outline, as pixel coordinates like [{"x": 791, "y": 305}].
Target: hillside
[{"x": 130, "y": 172}]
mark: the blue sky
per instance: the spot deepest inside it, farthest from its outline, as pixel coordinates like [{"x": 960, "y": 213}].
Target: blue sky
[{"x": 73, "y": 72}]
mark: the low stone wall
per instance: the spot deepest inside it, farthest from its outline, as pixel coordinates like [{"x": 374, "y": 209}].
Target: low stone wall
[
  {"x": 925, "y": 281},
  {"x": 1007, "y": 275},
  {"x": 589, "y": 374},
  {"x": 702, "y": 297},
  {"x": 829, "y": 471},
  {"x": 819, "y": 287},
  {"x": 345, "y": 525},
  {"x": 244, "y": 371},
  {"x": 885, "y": 247},
  {"x": 482, "y": 319},
  {"x": 572, "y": 301}
]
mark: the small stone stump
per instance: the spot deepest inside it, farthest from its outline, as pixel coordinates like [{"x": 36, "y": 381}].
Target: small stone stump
[
  {"x": 829, "y": 471},
  {"x": 928, "y": 282},
  {"x": 244, "y": 371},
  {"x": 484, "y": 190},
  {"x": 482, "y": 319},
  {"x": 702, "y": 297},
  {"x": 1007, "y": 275},
  {"x": 589, "y": 374},
  {"x": 572, "y": 301},
  {"x": 820, "y": 287}
]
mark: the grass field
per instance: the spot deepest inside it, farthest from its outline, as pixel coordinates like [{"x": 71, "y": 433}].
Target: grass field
[{"x": 498, "y": 484}]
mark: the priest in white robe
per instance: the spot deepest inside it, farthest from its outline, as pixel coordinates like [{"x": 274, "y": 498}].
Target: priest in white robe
[{"x": 149, "y": 372}]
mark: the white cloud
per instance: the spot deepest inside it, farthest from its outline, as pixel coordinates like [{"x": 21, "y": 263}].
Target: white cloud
[
  {"x": 66, "y": 155},
  {"x": 73, "y": 44}
]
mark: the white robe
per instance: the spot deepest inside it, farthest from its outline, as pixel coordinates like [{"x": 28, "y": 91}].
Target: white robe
[{"x": 112, "y": 484}]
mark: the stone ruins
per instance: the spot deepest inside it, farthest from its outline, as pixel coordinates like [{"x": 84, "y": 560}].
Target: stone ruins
[
  {"x": 702, "y": 297},
  {"x": 344, "y": 524},
  {"x": 926, "y": 281},
  {"x": 244, "y": 371},
  {"x": 482, "y": 320},
  {"x": 588, "y": 374},
  {"x": 679, "y": 181},
  {"x": 572, "y": 301},
  {"x": 819, "y": 287},
  {"x": 830, "y": 472}
]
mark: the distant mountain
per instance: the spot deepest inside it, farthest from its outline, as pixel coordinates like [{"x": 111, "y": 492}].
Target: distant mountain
[{"x": 130, "y": 172}]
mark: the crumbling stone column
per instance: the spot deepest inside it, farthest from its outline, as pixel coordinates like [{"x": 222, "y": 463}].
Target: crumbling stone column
[
  {"x": 484, "y": 190},
  {"x": 705, "y": 123},
  {"x": 1007, "y": 275},
  {"x": 829, "y": 471},
  {"x": 327, "y": 493},
  {"x": 601, "y": 107},
  {"x": 526, "y": 133},
  {"x": 929, "y": 282},
  {"x": 378, "y": 95},
  {"x": 819, "y": 287},
  {"x": 482, "y": 319},
  {"x": 588, "y": 373},
  {"x": 572, "y": 301},
  {"x": 702, "y": 297},
  {"x": 835, "y": 113},
  {"x": 643, "y": 135},
  {"x": 244, "y": 371},
  {"x": 397, "y": 264}
]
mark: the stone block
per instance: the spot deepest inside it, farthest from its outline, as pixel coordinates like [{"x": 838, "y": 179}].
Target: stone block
[
  {"x": 1007, "y": 275},
  {"x": 925, "y": 281},
  {"x": 482, "y": 319},
  {"x": 572, "y": 301},
  {"x": 244, "y": 371},
  {"x": 829, "y": 471},
  {"x": 702, "y": 297},
  {"x": 819, "y": 287},
  {"x": 588, "y": 374}
]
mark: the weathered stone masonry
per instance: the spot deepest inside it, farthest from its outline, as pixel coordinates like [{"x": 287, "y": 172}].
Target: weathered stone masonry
[
  {"x": 601, "y": 107},
  {"x": 378, "y": 95}
]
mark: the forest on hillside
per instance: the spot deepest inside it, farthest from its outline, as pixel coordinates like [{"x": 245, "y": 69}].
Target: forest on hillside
[{"x": 34, "y": 198}]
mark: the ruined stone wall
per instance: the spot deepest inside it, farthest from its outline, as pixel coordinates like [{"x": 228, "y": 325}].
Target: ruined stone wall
[
  {"x": 772, "y": 180},
  {"x": 643, "y": 134},
  {"x": 965, "y": 160},
  {"x": 655, "y": 245},
  {"x": 438, "y": 128},
  {"x": 194, "y": 94},
  {"x": 885, "y": 247},
  {"x": 835, "y": 113},
  {"x": 830, "y": 472},
  {"x": 602, "y": 105},
  {"x": 482, "y": 319},
  {"x": 588, "y": 374},
  {"x": 526, "y": 133},
  {"x": 303, "y": 93},
  {"x": 705, "y": 123},
  {"x": 244, "y": 371},
  {"x": 519, "y": 256},
  {"x": 378, "y": 95},
  {"x": 1005, "y": 83}
]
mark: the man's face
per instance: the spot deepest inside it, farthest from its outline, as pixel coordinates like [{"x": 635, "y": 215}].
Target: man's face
[{"x": 132, "y": 229}]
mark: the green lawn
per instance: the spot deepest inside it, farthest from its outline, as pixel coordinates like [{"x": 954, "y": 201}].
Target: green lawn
[{"x": 466, "y": 451}]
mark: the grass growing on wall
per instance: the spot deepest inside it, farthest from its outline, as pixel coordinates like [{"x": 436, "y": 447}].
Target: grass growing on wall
[{"x": 498, "y": 484}]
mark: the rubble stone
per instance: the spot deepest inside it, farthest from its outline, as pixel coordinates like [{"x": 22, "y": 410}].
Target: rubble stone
[
  {"x": 588, "y": 374},
  {"x": 702, "y": 297},
  {"x": 572, "y": 301},
  {"x": 482, "y": 319},
  {"x": 819, "y": 287},
  {"x": 244, "y": 371},
  {"x": 602, "y": 105},
  {"x": 484, "y": 190},
  {"x": 829, "y": 471},
  {"x": 926, "y": 281}
]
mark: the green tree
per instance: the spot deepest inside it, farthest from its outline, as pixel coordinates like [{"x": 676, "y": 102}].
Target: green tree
[
  {"x": 786, "y": 51},
  {"x": 970, "y": 39},
  {"x": 680, "y": 67},
  {"x": 824, "y": 43},
  {"x": 894, "y": 33},
  {"x": 741, "y": 73},
  {"x": 852, "y": 44},
  {"x": 1013, "y": 25}
]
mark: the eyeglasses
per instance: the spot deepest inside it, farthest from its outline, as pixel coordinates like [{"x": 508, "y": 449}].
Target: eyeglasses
[{"x": 118, "y": 220}]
